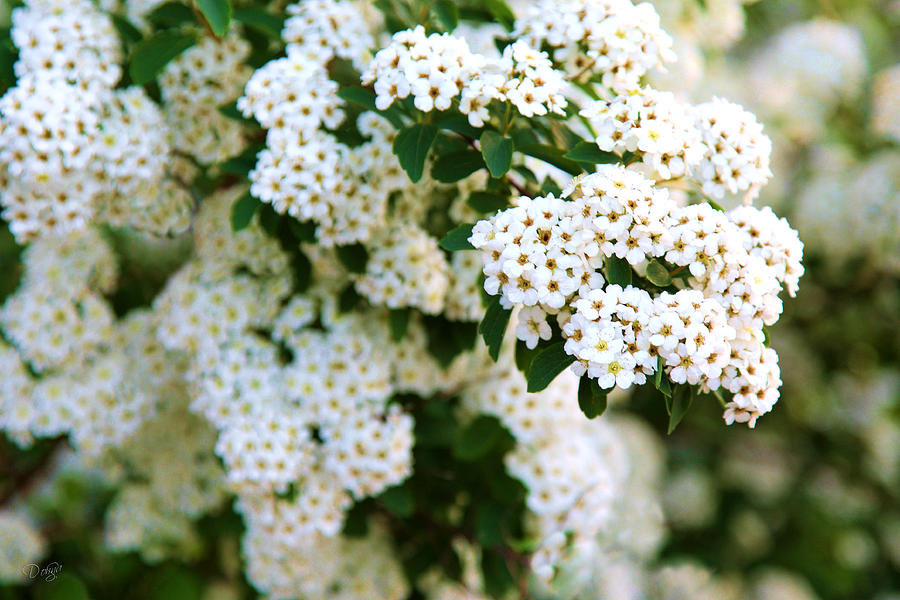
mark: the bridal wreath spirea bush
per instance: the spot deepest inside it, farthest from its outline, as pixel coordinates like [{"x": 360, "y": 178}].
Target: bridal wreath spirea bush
[{"x": 406, "y": 249}]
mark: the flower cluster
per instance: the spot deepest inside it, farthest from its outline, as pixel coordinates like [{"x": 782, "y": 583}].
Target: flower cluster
[
  {"x": 439, "y": 69},
  {"x": 617, "y": 42},
  {"x": 74, "y": 148},
  {"x": 545, "y": 254},
  {"x": 653, "y": 123}
]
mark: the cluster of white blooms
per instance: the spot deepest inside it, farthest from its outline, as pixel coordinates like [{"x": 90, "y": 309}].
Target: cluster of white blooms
[
  {"x": 737, "y": 152},
  {"x": 575, "y": 481},
  {"x": 847, "y": 208},
  {"x": 805, "y": 72},
  {"x": 406, "y": 268},
  {"x": 614, "y": 40},
  {"x": 653, "y": 123},
  {"x": 58, "y": 317},
  {"x": 326, "y": 28},
  {"x": 544, "y": 255},
  {"x": 73, "y": 148},
  {"x": 885, "y": 111},
  {"x": 282, "y": 563},
  {"x": 21, "y": 546},
  {"x": 194, "y": 85},
  {"x": 67, "y": 40},
  {"x": 172, "y": 478},
  {"x": 463, "y": 299},
  {"x": 439, "y": 68}
]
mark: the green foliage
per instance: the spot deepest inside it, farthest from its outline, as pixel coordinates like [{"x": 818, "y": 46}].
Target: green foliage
[
  {"x": 477, "y": 438},
  {"x": 353, "y": 256},
  {"x": 446, "y": 13},
  {"x": 591, "y": 397},
  {"x": 618, "y": 271},
  {"x": 678, "y": 404},
  {"x": 458, "y": 238},
  {"x": 658, "y": 274},
  {"x": 456, "y": 166},
  {"x": 411, "y": 147},
  {"x": 399, "y": 323},
  {"x": 497, "y": 151},
  {"x": 551, "y": 155},
  {"x": 242, "y": 211},
  {"x": 151, "y": 55},
  {"x": 266, "y": 22},
  {"x": 487, "y": 202},
  {"x": 546, "y": 365},
  {"x": 502, "y": 12},
  {"x": 493, "y": 326},
  {"x": 217, "y": 13},
  {"x": 588, "y": 152}
]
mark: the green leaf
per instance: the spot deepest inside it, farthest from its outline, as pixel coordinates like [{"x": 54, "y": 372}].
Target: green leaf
[
  {"x": 264, "y": 21},
  {"x": 217, "y": 13},
  {"x": 591, "y": 397},
  {"x": 658, "y": 274},
  {"x": 304, "y": 231},
  {"x": 398, "y": 500},
  {"x": 127, "y": 31},
  {"x": 497, "y": 578},
  {"x": 661, "y": 380},
  {"x": 242, "y": 211},
  {"x": 477, "y": 438},
  {"x": 548, "y": 186},
  {"x": 457, "y": 123},
  {"x": 411, "y": 147},
  {"x": 551, "y": 155},
  {"x": 149, "y": 56},
  {"x": 354, "y": 257},
  {"x": 497, "y": 152},
  {"x": 681, "y": 402},
  {"x": 399, "y": 322},
  {"x": 64, "y": 586},
  {"x": 588, "y": 152},
  {"x": 455, "y": 166},
  {"x": 618, "y": 271},
  {"x": 715, "y": 205},
  {"x": 268, "y": 219},
  {"x": 348, "y": 298},
  {"x": 302, "y": 268},
  {"x": 502, "y": 12},
  {"x": 170, "y": 14},
  {"x": 489, "y": 524},
  {"x": 486, "y": 202},
  {"x": 493, "y": 326},
  {"x": 458, "y": 238},
  {"x": 549, "y": 362},
  {"x": 446, "y": 13},
  {"x": 366, "y": 98},
  {"x": 524, "y": 356}
]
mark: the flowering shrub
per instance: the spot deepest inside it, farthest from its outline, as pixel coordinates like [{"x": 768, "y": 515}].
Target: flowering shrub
[{"x": 340, "y": 289}]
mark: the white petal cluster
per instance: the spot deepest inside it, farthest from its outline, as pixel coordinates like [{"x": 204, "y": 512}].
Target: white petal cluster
[
  {"x": 614, "y": 40},
  {"x": 737, "y": 152},
  {"x": 282, "y": 562},
  {"x": 327, "y": 28},
  {"x": 575, "y": 481},
  {"x": 439, "y": 69},
  {"x": 544, "y": 255},
  {"x": 21, "y": 544},
  {"x": 74, "y": 149},
  {"x": 58, "y": 317},
  {"x": 885, "y": 110},
  {"x": 69, "y": 41},
  {"x": 407, "y": 268},
  {"x": 194, "y": 85},
  {"x": 650, "y": 122},
  {"x": 173, "y": 478}
]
